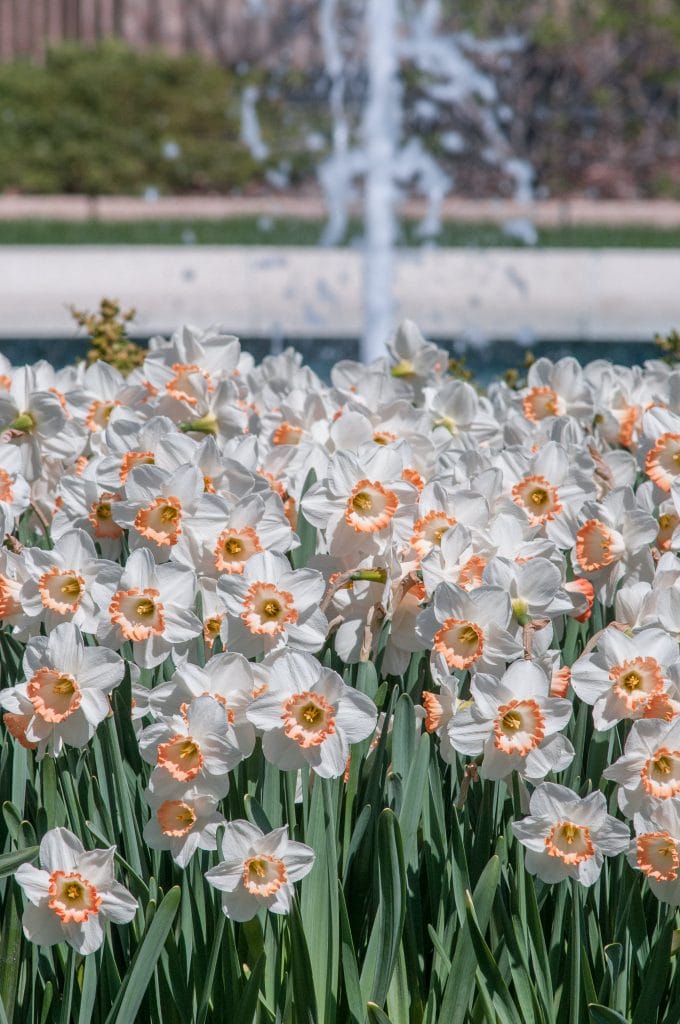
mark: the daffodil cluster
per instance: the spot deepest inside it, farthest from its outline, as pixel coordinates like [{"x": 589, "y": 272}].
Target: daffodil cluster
[{"x": 220, "y": 534}]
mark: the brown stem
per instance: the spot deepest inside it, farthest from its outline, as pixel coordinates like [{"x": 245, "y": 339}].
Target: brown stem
[
  {"x": 338, "y": 584},
  {"x": 41, "y": 519},
  {"x": 374, "y": 620},
  {"x": 623, "y": 626},
  {"x": 471, "y": 775},
  {"x": 528, "y": 635}
]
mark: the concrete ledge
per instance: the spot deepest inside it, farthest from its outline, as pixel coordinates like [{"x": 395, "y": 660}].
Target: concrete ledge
[
  {"x": 260, "y": 291},
  {"x": 660, "y": 213}
]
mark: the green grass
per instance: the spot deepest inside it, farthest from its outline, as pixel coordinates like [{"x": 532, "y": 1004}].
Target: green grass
[{"x": 295, "y": 231}]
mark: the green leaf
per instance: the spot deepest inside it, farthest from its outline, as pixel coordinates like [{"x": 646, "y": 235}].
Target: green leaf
[
  {"x": 402, "y": 993},
  {"x": 255, "y": 813},
  {"x": 525, "y": 987},
  {"x": 88, "y": 992},
  {"x": 461, "y": 980},
  {"x": 367, "y": 678},
  {"x": 403, "y": 735},
  {"x": 304, "y": 997},
  {"x": 48, "y": 998},
  {"x": 350, "y": 970},
  {"x": 414, "y": 794},
  {"x": 210, "y": 971},
  {"x": 489, "y": 972},
  {"x": 130, "y": 837},
  {"x": 603, "y": 1015},
  {"x": 375, "y": 1014},
  {"x": 439, "y": 947},
  {"x": 67, "y": 993},
  {"x": 10, "y": 951},
  {"x": 247, "y": 1005},
  {"x": 306, "y": 532},
  {"x": 575, "y": 955},
  {"x": 48, "y": 784},
  {"x": 137, "y": 980},
  {"x": 655, "y": 975},
  {"x": 9, "y": 862},
  {"x": 383, "y": 945},
  {"x": 319, "y": 900}
]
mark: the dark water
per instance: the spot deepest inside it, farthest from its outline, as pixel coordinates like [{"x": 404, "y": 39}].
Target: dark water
[{"x": 485, "y": 362}]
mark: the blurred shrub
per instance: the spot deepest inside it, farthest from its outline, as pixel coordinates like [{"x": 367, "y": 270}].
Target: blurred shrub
[
  {"x": 594, "y": 101},
  {"x": 112, "y": 120}
]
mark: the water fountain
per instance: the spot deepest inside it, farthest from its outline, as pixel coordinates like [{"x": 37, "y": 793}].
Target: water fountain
[
  {"x": 375, "y": 160},
  {"x": 387, "y": 161}
]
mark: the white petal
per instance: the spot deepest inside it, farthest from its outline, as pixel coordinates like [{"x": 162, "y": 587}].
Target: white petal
[
  {"x": 119, "y": 904},
  {"x": 33, "y": 881},
  {"x": 85, "y": 937},
  {"x": 239, "y": 905},
  {"x": 60, "y": 850},
  {"x": 42, "y": 926}
]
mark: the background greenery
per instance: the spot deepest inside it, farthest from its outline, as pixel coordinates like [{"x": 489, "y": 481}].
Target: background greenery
[
  {"x": 594, "y": 96},
  {"x": 297, "y": 231},
  {"x": 95, "y": 121}
]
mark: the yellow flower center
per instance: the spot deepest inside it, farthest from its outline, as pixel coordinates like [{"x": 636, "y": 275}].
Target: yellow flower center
[
  {"x": 539, "y": 496},
  {"x": 631, "y": 681},
  {"x": 169, "y": 514},
  {"x": 73, "y": 892},
  {"x": 257, "y": 868},
  {"x": 311, "y": 713},
  {"x": 213, "y": 626},
  {"x": 71, "y": 587},
  {"x": 64, "y": 686},
  {"x": 188, "y": 749},
  {"x": 145, "y": 608},
  {"x": 512, "y": 720},
  {"x": 271, "y": 609},
  {"x": 103, "y": 510},
  {"x": 570, "y": 832},
  {"x": 233, "y": 546},
  {"x": 362, "y": 502},
  {"x": 469, "y": 635},
  {"x": 663, "y": 764}
]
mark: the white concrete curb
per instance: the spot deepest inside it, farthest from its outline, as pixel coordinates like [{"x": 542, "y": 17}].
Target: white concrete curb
[{"x": 624, "y": 294}]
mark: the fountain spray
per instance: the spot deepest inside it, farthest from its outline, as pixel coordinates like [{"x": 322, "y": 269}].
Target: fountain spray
[{"x": 381, "y": 133}]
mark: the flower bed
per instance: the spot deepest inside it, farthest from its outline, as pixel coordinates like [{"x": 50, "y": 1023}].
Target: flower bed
[{"x": 339, "y": 703}]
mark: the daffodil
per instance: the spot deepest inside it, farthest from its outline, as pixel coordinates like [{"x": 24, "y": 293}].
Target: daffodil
[
  {"x": 569, "y": 837},
  {"x": 258, "y": 870},
  {"x": 73, "y": 894}
]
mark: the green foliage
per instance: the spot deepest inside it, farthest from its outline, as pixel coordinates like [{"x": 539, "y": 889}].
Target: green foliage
[
  {"x": 108, "y": 336},
  {"x": 418, "y": 910},
  {"x": 298, "y": 231},
  {"x": 95, "y": 121},
  {"x": 594, "y": 93},
  {"x": 670, "y": 346}
]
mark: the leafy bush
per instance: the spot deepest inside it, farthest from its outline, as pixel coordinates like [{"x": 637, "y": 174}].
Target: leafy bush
[{"x": 98, "y": 121}]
